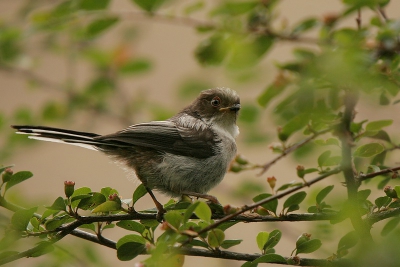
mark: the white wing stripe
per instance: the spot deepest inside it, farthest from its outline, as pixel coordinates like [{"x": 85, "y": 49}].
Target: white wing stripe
[{"x": 40, "y": 131}]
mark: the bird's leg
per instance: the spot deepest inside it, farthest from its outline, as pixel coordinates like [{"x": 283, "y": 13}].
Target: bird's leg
[
  {"x": 159, "y": 206},
  {"x": 205, "y": 196}
]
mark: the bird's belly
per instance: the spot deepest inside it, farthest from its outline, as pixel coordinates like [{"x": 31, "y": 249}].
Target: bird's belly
[{"x": 177, "y": 174}]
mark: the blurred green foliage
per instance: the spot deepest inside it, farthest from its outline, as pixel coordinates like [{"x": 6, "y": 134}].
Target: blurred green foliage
[{"x": 306, "y": 99}]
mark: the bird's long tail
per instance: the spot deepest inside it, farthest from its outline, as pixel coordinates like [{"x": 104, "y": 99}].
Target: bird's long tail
[{"x": 57, "y": 135}]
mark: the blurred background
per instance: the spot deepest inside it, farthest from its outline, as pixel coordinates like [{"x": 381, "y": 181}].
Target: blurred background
[{"x": 133, "y": 67}]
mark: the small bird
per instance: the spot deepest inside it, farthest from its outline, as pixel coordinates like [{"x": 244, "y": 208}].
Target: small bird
[{"x": 187, "y": 154}]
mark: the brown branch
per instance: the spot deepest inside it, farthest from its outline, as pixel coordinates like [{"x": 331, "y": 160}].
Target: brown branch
[
  {"x": 363, "y": 177},
  {"x": 290, "y": 149},
  {"x": 382, "y": 12},
  {"x": 352, "y": 184},
  {"x": 277, "y": 196},
  {"x": 381, "y": 215},
  {"x": 358, "y": 19},
  {"x": 217, "y": 254}
]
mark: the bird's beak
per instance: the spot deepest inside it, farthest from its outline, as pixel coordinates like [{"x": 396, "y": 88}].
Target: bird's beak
[{"x": 235, "y": 107}]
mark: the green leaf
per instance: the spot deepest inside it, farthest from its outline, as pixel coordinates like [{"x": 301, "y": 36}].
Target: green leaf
[
  {"x": 97, "y": 27},
  {"x": 368, "y": 150},
  {"x": 382, "y": 201},
  {"x": 135, "y": 66},
  {"x": 323, "y": 193},
  {"x": 48, "y": 213},
  {"x": 82, "y": 191},
  {"x": 363, "y": 194},
  {"x": 17, "y": 178},
  {"x": 174, "y": 218},
  {"x": 390, "y": 226},
  {"x": 271, "y": 92},
  {"x": 247, "y": 52},
  {"x": 397, "y": 189},
  {"x": 225, "y": 225},
  {"x": 305, "y": 25},
  {"x": 93, "y": 4},
  {"x": 327, "y": 142},
  {"x": 230, "y": 243},
  {"x": 57, "y": 222},
  {"x": 199, "y": 243},
  {"x": 213, "y": 50},
  {"x": 130, "y": 246},
  {"x": 107, "y": 207},
  {"x": 378, "y": 125},
  {"x": 43, "y": 248},
  {"x": 295, "y": 124},
  {"x": 131, "y": 226},
  {"x": 59, "y": 204},
  {"x": 270, "y": 258},
  {"x": 273, "y": 239},
  {"x": 215, "y": 238},
  {"x": 380, "y": 135},
  {"x": 271, "y": 205},
  {"x": 21, "y": 218},
  {"x": 262, "y": 238},
  {"x": 349, "y": 240},
  {"x": 189, "y": 211},
  {"x": 35, "y": 223},
  {"x": 294, "y": 199},
  {"x": 203, "y": 211},
  {"x": 309, "y": 246},
  {"x": 149, "y": 5},
  {"x": 288, "y": 185},
  {"x": 92, "y": 202},
  {"x": 140, "y": 191},
  {"x": 323, "y": 158},
  {"x": 249, "y": 264},
  {"x": 293, "y": 208}
]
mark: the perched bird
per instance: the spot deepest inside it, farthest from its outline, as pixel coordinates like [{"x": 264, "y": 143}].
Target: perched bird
[{"x": 187, "y": 154}]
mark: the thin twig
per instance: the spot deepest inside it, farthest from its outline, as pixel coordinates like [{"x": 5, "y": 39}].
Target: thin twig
[
  {"x": 358, "y": 19},
  {"x": 352, "y": 184},
  {"x": 374, "y": 174},
  {"x": 382, "y": 12},
  {"x": 290, "y": 149},
  {"x": 219, "y": 254},
  {"x": 277, "y": 196}
]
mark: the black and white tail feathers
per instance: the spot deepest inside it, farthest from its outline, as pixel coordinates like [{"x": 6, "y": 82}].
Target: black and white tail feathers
[{"x": 57, "y": 135}]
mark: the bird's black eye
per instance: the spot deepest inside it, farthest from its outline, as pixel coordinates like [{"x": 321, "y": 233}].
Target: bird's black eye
[{"x": 216, "y": 101}]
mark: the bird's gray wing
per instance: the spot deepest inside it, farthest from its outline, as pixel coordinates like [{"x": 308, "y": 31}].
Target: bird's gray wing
[{"x": 166, "y": 136}]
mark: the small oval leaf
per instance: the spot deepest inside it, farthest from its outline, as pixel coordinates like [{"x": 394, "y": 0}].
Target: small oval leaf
[
  {"x": 215, "y": 238},
  {"x": 369, "y": 150},
  {"x": 107, "y": 206},
  {"x": 21, "y": 218},
  {"x": 270, "y": 258},
  {"x": 203, "y": 211},
  {"x": 323, "y": 193},
  {"x": 309, "y": 246},
  {"x": 140, "y": 191},
  {"x": 17, "y": 178},
  {"x": 131, "y": 226},
  {"x": 129, "y": 246},
  {"x": 295, "y": 199},
  {"x": 59, "y": 204},
  {"x": 262, "y": 238}
]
